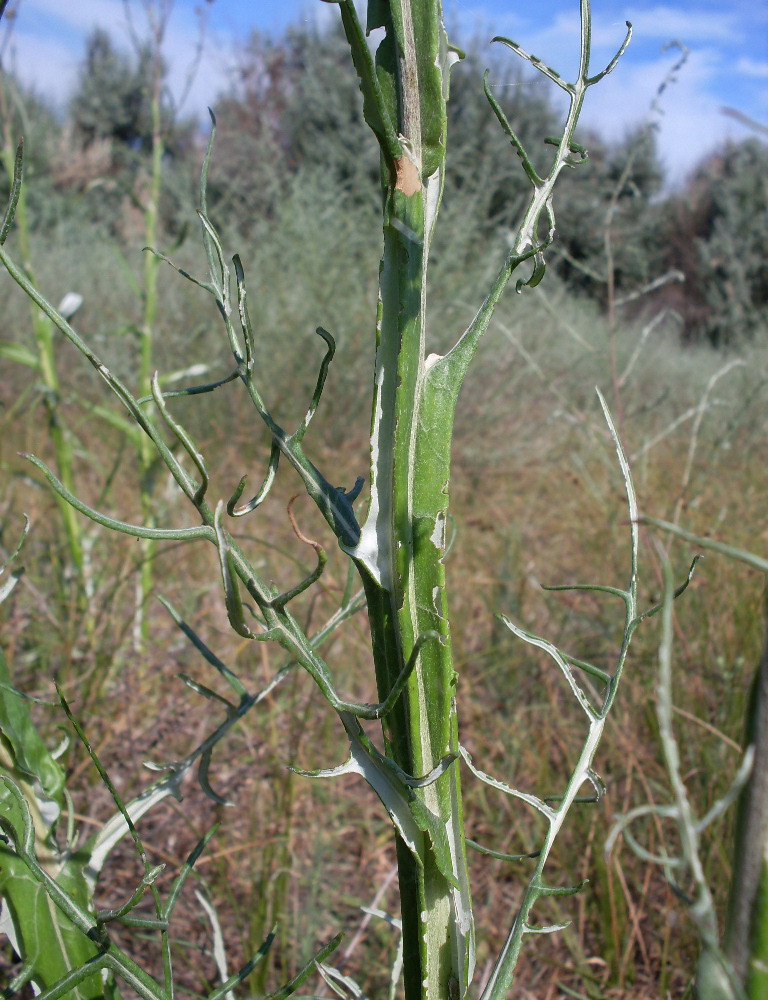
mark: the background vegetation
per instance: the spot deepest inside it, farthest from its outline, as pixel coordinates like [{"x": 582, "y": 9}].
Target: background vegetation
[{"x": 291, "y": 186}]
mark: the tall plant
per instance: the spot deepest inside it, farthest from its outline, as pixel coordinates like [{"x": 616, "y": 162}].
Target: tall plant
[{"x": 398, "y": 547}]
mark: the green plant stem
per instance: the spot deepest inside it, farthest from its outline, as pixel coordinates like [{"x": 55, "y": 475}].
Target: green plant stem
[
  {"x": 147, "y": 458},
  {"x": 746, "y": 938},
  {"x": 43, "y": 330},
  {"x": 422, "y": 728},
  {"x": 402, "y": 544}
]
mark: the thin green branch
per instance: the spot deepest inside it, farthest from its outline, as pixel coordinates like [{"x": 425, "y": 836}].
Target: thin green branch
[
  {"x": 542, "y": 67},
  {"x": 138, "y": 531},
  {"x": 107, "y": 916},
  {"x": 499, "y": 855},
  {"x": 186, "y": 441},
  {"x": 303, "y": 975},
  {"x": 749, "y": 558},
  {"x": 231, "y": 678},
  {"x": 528, "y": 166},
  {"x": 150, "y": 872},
  {"x": 613, "y": 63},
  {"x": 299, "y": 433},
  {"x": 13, "y": 200},
  {"x": 194, "y": 390},
  {"x": 258, "y": 499}
]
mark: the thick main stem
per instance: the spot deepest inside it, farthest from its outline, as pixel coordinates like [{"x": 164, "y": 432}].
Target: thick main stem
[
  {"x": 403, "y": 541},
  {"x": 410, "y": 600}
]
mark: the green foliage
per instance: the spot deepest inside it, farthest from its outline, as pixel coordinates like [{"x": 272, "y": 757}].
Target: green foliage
[
  {"x": 31, "y": 797},
  {"x": 294, "y": 113},
  {"x": 112, "y": 100},
  {"x": 321, "y": 123},
  {"x": 617, "y": 193},
  {"x": 716, "y": 233},
  {"x": 23, "y": 113}
]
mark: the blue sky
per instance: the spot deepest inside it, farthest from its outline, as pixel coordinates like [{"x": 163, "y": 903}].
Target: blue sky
[{"x": 727, "y": 66}]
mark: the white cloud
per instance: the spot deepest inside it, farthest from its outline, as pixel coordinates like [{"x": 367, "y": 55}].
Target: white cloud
[
  {"x": 691, "y": 123},
  {"x": 689, "y": 25},
  {"x": 752, "y": 67},
  {"x": 48, "y": 48}
]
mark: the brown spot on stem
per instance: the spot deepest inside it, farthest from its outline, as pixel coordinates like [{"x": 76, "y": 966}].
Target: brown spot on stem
[{"x": 408, "y": 180}]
